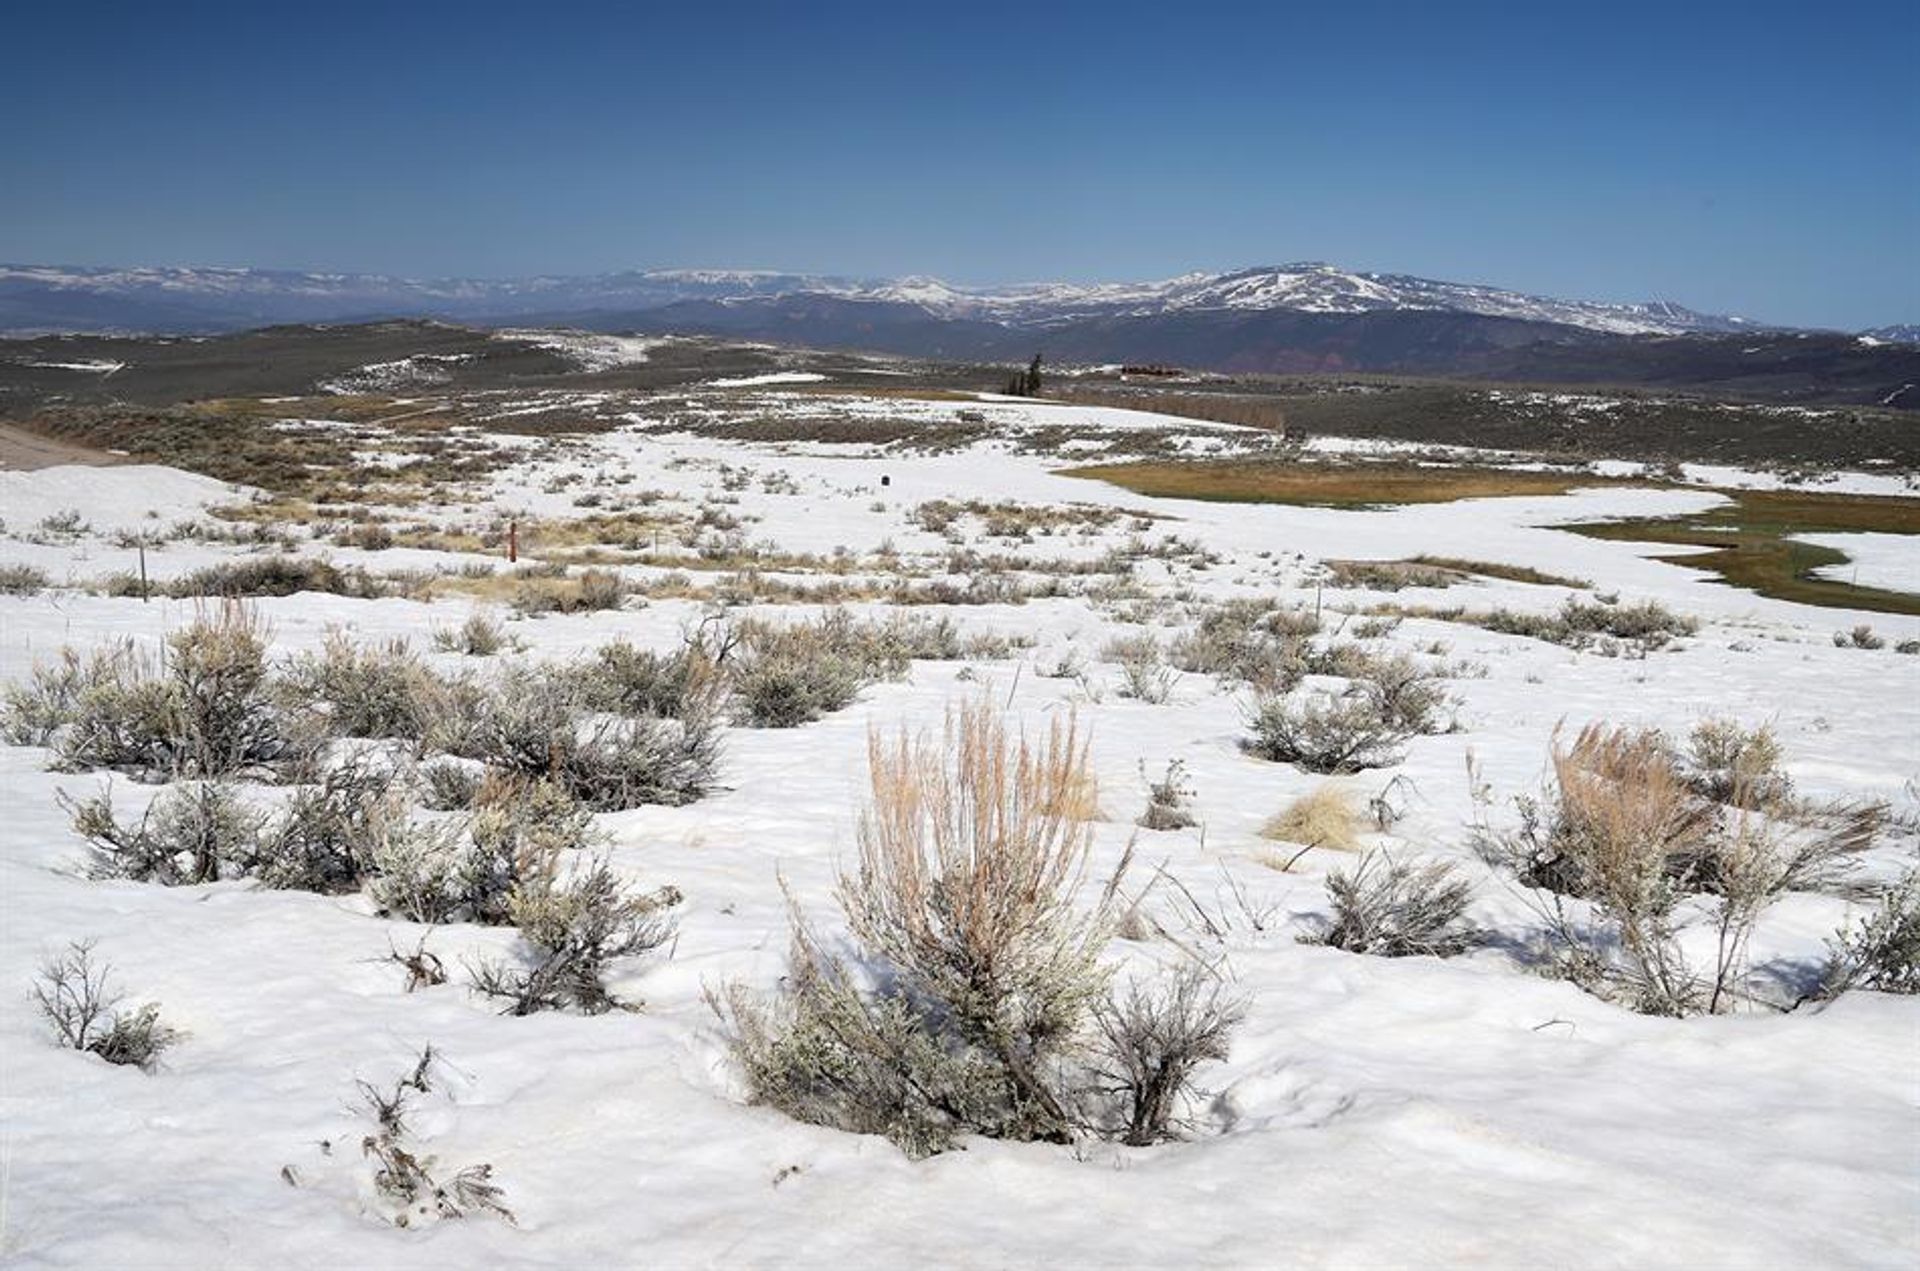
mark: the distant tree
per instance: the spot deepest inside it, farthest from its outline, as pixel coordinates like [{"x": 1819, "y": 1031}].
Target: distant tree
[{"x": 1026, "y": 383}]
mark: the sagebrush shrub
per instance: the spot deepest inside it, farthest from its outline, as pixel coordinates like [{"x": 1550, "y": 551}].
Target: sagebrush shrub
[
  {"x": 1387, "y": 575},
  {"x": 589, "y": 591},
  {"x": 192, "y": 833},
  {"x": 403, "y": 1177},
  {"x": 574, "y": 927},
  {"x": 73, "y": 995},
  {"x": 424, "y": 968},
  {"x": 1629, "y": 786},
  {"x": 889, "y": 644},
  {"x": 985, "y": 969},
  {"x": 785, "y": 676},
  {"x": 1144, "y": 676},
  {"x": 1579, "y": 624},
  {"x": 1152, "y": 1040},
  {"x": 1406, "y": 695},
  {"x": 372, "y": 690},
  {"x": 38, "y": 707},
  {"x": 368, "y": 536},
  {"x": 1395, "y": 909},
  {"x": 1621, "y": 817},
  {"x": 539, "y": 724},
  {"x": 625, "y": 680},
  {"x": 275, "y": 576},
  {"x": 420, "y": 872},
  {"x": 794, "y": 678},
  {"x": 1614, "y": 791},
  {"x": 1622, "y": 841},
  {"x": 202, "y": 711},
  {"x": 480, "y": 636},
  {"x": 1728, "y": 762},
  {"x": 330, "y": 831},
  {"x": 521, "y": 829},
  {"x": 22, "y": 580},
  {"x": 132, "y": 722},
  {"x": 1861, "y": 637},
  {"x": 965, "y": 886},
  {"x": 629, "y": 763},
  {"x": 449, "y": 785},
  {"x": 1326, "y": 733},
  {"x": 1342, "y": 659},
  {"x": 601, "y": 589},
  {"x": 964, "y": 892},
  {"x": 1168, "y": 800},
  {"x": 828, "y": 1052},
  {"x": 455, "y": 712},
  {"x": 1882, "y": 951},
  {"x": 1250, "y": 642},
  {"x": 471, "y": 868}
]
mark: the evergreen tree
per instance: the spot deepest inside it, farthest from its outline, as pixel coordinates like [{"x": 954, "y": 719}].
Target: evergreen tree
[{"x": 1026, "y": 383}]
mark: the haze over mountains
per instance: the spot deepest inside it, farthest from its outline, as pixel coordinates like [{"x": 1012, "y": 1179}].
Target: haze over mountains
[{"x": 1305, "y": 317}]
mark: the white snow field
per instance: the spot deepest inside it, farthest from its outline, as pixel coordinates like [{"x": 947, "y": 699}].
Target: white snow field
[
  {"x": 1372, "y": 1112},
  {"x": 1873, "y": 560}
]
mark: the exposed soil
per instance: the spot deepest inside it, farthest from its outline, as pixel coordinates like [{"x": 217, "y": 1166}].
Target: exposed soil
[{"x": 22, "y": 451}]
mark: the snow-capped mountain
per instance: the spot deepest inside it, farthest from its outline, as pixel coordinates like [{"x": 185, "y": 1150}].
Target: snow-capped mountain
[
  {"x": 1310, "y": 287},
  {"x": 36, "y": 297}
]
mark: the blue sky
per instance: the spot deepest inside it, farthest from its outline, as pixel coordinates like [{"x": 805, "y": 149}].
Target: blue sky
[{"x": 1759, "y": 158}]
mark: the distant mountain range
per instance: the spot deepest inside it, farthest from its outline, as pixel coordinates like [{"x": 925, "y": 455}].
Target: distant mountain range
[
  {"x": 39, "y": 298},
  {"x": 1307, "y": 317}
]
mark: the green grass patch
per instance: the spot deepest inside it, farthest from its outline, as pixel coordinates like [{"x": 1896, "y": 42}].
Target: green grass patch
[
  {"x": 1750, "y": 538},
  {"x": 1333, "y": 485},
  {"x": 1751, "y": 544}
]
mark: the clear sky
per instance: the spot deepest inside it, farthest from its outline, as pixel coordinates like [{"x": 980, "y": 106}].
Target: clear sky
[{"x": 1757, "y": 158}]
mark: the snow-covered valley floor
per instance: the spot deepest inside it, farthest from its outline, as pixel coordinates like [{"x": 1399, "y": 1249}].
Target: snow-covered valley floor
[{"x": 1370, "y": 1112}]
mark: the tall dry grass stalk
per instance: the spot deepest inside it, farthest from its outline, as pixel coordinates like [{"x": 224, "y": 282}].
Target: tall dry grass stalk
[
  {"x": 1625, "y": 820},
  {"x": 1623, "y": 796},
  {"x": 971, "y": 856},
  {"x": 988, "y": 984},
  {"x": 1626, "y": 827},
  {"x": 971, "y": 842}
]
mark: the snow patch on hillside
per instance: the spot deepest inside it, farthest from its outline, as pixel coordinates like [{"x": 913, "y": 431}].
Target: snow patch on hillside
[
  {"x": 772, "y": 377},
  {"x": 421, "y": 370},
  {"x": 110, "y": 499},
  {"x": 589, "y": 350},
  {"x": 95, "y": 366}
]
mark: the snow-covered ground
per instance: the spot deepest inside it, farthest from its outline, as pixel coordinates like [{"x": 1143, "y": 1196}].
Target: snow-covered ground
[
  {"x": 771, "y": 377},
  {"x": 1372, "y": 1112},
  {"x": 132, "y": 497},
  {"x": 1873, "y": 560}
]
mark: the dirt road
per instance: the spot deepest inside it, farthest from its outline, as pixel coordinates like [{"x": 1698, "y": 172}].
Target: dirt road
[{"x": 22, "y": 451}]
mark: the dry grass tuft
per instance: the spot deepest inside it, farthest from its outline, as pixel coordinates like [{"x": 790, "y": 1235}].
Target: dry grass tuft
[{"x": 1327, "y": 816}]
